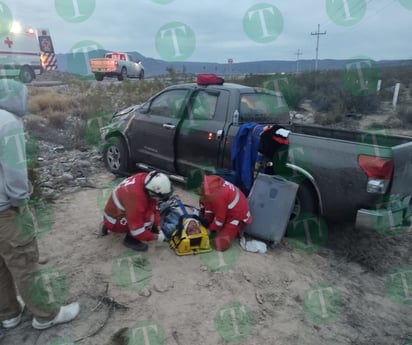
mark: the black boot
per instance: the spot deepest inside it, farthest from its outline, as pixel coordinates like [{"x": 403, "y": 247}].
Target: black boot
[
  {"x": 103, "y": 230},
  {"x": 134, "y": 244}
]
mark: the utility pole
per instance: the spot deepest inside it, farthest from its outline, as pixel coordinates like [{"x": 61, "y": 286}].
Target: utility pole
[
  {"x": 318, "y": 33},
  {"x": 298, "y": 53}
]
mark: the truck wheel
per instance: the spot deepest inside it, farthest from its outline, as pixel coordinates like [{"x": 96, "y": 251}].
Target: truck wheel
[
  {"x": 141, "y": 75},
  {"x": 306, "y": 201},
  {"x": 99, "y": 76},
  {"x": 122, "y": 75},
  {"x": 26, "y": 74},
  {"x": 115, "y": 156}
]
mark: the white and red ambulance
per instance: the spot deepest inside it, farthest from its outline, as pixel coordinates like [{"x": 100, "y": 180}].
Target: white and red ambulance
[{"x": 26, "y": 52}]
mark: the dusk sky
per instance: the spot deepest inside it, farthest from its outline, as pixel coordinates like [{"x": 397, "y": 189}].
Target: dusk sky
[{"x": 218, "y": 30}]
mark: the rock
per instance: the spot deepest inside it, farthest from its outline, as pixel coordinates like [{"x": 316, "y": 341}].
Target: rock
[
  {"x": 84, "y": 164},
  {"x": 59, "y": 149},
  {"x": 66, "y": 177},
  {"x": 65, "y": 171}
]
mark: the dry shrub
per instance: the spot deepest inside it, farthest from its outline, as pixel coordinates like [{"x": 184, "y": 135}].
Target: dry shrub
[
  {"x": 51, "y": 105},
  {"x": 327, "y": 119},
  {"x": 393, "y": 122},
  {"x": 57, "y": 119},
  {"x": 48, "y": 100}
]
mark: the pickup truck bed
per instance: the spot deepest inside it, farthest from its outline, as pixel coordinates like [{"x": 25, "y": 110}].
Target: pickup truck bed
[{"x": 336, "y": 164}]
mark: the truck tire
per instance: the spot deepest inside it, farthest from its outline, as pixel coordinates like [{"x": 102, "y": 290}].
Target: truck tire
[
  {"x": 116, "y": 156},
  {"x": 306, "y": 201},
  {"x": 26, "y": 74},
  {"x": 122, "y": 75},
  {"x": 141, "y": 75},
  {"x": 99, "y": 76}
]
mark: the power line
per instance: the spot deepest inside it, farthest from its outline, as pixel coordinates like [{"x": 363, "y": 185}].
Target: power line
[{"x": 318, "y": 33}]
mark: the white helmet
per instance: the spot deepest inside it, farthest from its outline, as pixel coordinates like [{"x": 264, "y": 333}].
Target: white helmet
[{"x": 158, "y": 185}]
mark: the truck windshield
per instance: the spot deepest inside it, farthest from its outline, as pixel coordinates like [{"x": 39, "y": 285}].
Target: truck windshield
[{"x": 262, "y": 106}]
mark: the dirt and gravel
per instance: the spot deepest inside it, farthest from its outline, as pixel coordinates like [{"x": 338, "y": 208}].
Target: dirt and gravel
[
  {"x": 239, "y": 297},
  {"x": 355, "y": 288}
]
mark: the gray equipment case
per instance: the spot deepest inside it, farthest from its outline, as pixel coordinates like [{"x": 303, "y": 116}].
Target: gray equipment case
[{"x": 271, "y": 201}]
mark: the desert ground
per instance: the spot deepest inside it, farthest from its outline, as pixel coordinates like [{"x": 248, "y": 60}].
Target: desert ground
[{"x": 354, "y": 289}]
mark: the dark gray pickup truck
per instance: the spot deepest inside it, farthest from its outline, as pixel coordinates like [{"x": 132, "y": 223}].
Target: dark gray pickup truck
[{"x": 342, "y": 175}]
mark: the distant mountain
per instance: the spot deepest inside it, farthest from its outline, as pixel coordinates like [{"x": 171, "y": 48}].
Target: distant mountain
[{"x": 78, "y": 64}]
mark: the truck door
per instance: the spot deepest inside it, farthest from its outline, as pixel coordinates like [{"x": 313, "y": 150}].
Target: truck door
[
  {"x": 133, "y": 67},
  {"x": 153, "y": 129},
  {"x": 199, "y": 142}
]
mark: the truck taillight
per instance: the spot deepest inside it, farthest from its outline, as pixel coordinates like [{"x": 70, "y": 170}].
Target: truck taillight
[
  {"x": 376, "y": 167},
  {"x": 379, "y": 171}
]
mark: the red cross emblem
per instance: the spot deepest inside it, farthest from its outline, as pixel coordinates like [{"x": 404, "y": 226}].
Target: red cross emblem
[{"x": 8, "y": 42}]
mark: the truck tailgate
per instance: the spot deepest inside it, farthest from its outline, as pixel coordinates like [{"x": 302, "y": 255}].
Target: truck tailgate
[
  {"x": 102, "y": 65},
  {"x": 402, "y": 178}
]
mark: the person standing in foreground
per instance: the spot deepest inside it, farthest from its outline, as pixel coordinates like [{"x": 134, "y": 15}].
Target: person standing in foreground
[
  {"x": 225, "y": 208},
  {"x": 18, "y": 246},
  {"x": 132, "y": 209}
]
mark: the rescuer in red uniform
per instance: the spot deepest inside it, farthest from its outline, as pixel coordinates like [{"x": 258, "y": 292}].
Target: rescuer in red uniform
[
  {"x": 225, "y": 208},
  {"x": 132, "y": 209}
]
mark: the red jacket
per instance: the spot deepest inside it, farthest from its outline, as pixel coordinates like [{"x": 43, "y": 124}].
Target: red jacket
[
  {"x": 223, "y": 202},
  {"x": 130, "y": 200}
]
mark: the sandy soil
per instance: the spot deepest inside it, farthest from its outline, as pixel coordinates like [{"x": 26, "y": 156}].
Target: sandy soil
[{"x": 349, "y": 291}]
